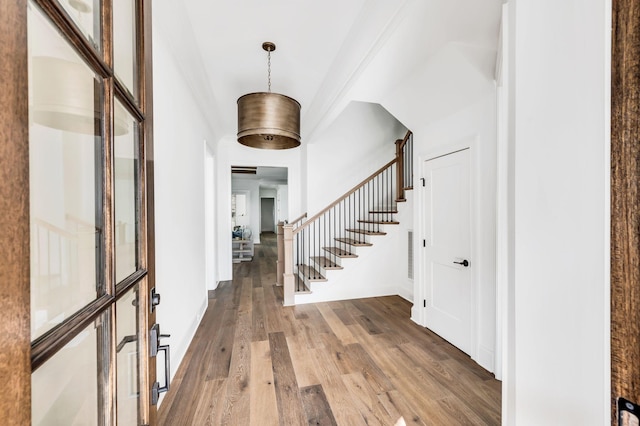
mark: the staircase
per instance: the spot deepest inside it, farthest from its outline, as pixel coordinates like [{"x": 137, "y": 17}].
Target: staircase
[{"x": 308, "y": 249}]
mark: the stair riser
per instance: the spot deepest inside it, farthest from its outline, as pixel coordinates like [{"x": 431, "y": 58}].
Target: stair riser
[
  {"x": 367, "y": 226},
  {"x": 337, "y": 261},
  {"x": 349, "y": 248},
  {"x": 323, "y": 270},
  {"x": 381, "y": 226},
  {"x": 369, "y": 239},
  {"x": 360, "y": 237}
]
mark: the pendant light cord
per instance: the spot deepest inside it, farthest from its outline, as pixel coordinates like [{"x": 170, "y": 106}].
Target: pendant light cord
[{"x": 269, "y": 68}]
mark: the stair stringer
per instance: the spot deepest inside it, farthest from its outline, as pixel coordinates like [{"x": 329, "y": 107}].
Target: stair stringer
[{"x": 379, "y": 270}]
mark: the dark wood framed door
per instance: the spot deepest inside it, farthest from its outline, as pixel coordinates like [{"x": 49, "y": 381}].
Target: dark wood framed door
[
  {"x": 15, "y": 363},
  {"x": 77, "y": 195},
  {"x": 625, "y": 204}
]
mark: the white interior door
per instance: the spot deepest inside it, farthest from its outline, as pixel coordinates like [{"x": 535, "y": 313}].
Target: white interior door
[{"x": 448, "y": 286}]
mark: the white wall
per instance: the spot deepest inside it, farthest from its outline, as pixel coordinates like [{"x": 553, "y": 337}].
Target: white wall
[
  {"x": 282, "y": 204},
  {"x": 560, "y": 132},
  {"x": 359, "y": 142},
  {"x": 268, "y": 192},
  {"x": 179, "y": 131},
  {"x": 229, "y": 152},
  {"x": 405, "y": 284}
]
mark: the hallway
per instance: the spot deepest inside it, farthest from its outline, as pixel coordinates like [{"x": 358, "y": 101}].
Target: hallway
[{"x": 352, "y": 362}]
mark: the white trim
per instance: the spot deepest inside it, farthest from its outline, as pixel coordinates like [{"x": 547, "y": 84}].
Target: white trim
[
  {"x": 502, "y": 194},
  {"x": 209, "y": 219},
  {"x": 505, "y": 218},
  {"x": 502, "y": 224}
]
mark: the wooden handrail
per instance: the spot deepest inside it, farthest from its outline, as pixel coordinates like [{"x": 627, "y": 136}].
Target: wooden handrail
[
  {"x": 406, "y": 139},
  {"x": 400, "y": 170},
  {"x": 293, "y": 222},
  {"x": 358, "y": 186}
]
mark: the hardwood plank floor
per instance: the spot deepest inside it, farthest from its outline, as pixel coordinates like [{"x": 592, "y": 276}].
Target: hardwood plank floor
[{"x": 355, "y": 362}]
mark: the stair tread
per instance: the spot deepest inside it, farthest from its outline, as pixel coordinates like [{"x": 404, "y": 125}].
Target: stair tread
[
  {"x": 310, "y": 273},
  {"x": 366, "y": 232},
  {"x": 305, "y": 289},
  {"x": 326, "y": 263},
  {"x": 392, "y": 222},
  {"x": 353, "y": 242},
  {"x": 383, "y": 211},
  {"x": 339, "y": 252}
]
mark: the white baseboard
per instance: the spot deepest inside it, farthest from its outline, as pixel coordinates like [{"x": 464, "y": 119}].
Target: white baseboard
[
  {"x": 486, "y": 358},
  {"x": 320, "y": 296},
  {"x": 181, "y": 351},
  {"x": 406, "y": 292}
]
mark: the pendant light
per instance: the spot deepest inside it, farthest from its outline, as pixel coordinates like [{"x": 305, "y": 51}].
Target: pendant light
[{"x": 268, "y": 120}]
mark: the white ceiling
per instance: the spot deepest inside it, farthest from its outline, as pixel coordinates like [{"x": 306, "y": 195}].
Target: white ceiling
[{"x": 326, "y": 50}]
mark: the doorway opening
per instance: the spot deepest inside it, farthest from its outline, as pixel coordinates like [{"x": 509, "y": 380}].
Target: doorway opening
[
  {"x": 260, "y": 199},
  {"x": 267, "y": 215}
]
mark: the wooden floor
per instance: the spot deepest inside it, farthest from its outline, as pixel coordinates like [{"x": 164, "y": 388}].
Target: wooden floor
[{"x": 357, "y": 362}]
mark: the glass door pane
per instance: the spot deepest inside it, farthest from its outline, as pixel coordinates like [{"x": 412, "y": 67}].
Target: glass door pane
[
  {"x": 125, "y": 190},
  {"x": 65, "y": 147},
  {"x": 64, "y": 390},
  {"x": 86, "y": 15},
  {"x": 127, "y": 363},
  {"x": 124, "y": 44}
]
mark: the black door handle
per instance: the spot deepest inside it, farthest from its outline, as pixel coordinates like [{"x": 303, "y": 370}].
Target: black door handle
[{"x": 464, "y": 263}]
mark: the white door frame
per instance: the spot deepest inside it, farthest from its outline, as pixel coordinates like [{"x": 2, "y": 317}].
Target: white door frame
[
  {"x": 418, "y": 312},
  {"x": 210, "y": 218}
]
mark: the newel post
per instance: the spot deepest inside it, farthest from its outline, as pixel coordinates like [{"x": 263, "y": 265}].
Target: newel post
[
  {"x": 399, "y": 171},
  {"x": 280, "y": 261},
  {"x": 289, "y": 282}
]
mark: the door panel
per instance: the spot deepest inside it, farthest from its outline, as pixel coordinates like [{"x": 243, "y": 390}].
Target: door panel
[
  {"x": 58, "y": 363},
  {"x": 445, "y": 294},
  {"x": 91, "y": 170},
  {"x": 448, "y": 284}
]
